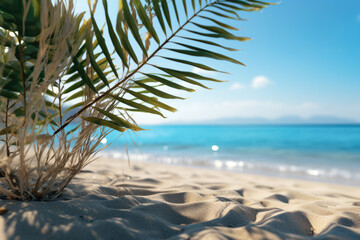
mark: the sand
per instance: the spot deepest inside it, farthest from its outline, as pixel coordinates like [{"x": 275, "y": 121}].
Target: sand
[{"x": 108, "y": 200}]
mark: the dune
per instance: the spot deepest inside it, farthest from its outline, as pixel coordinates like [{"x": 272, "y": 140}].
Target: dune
[{"x": 110, "y": 200}]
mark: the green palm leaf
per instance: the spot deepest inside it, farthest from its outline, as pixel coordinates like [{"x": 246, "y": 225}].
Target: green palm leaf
[
  {"x": 132, "y": 25},
  {"x": 198, "y": 65},
  {"x": 102, "y": 44},
  {"x": 106, "y": 123},
  {"x": 113, "y": 37},
  {"x": 137, "y": 106},
  {"x": 119, "y": 121},
  {"x": 145, "y": 20},
  {"x": 145, "y": 92},
  {"x": 158, "y": 14},
  {"x": 168, "y": 83},
  {"x": 85, "y": 78},
  {"x": 156, "y": 91},
  {"x": 185, "y": 7},
  {"x": 176, "y": 11},
  {"x": 165, "y": 9}
]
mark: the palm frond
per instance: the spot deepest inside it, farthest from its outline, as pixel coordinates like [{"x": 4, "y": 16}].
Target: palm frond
[{"x": 134, "y": 20}]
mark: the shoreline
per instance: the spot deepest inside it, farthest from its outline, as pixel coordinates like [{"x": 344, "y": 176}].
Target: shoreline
[
  {"x": 109, "y": 200},
  {"x": 261, "y": 175},
  {"x": 273, "y": 175},
  {"x": 218, "y": 165},
  {"x": 246, "y": 175}
]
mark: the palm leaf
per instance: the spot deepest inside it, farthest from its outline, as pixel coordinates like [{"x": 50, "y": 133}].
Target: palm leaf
[
  {"x": 156, "y": 91},
  {"x": 143, "y": 94},
  {"x": 176, "y": 11},
  {"x": 118, "y": 120},
  {"x": 209, "y": 43},
  {"x": 165, "y": 9},
  {"x": 85, "y": 78},
  {"x": 132, "y": 25},
  {"x": 224, "y": 25},
  {"x": 195, "y": 64},
  {"x": 102, "y": 43},
  {"x": 158, "y": 14},
  {"x": 106, "y": 123},
  {"x": 145, "y": 20},
  {"x": 93, "y": 62},
  {"x": 168, "y": 83},
  {"x": 113, "y": 37},
  {"x": 135, "y": 105},
  {"x": 185, "y": 7}
]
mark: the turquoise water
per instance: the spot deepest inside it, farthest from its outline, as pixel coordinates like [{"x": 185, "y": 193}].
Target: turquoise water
[{"x": 321, "y": 152}]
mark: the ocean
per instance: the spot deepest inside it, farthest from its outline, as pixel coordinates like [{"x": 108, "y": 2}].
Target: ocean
[{"x": 329, "y": 153}]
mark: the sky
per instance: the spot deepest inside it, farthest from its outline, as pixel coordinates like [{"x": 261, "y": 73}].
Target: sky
[{"x": 303, "y": 60}]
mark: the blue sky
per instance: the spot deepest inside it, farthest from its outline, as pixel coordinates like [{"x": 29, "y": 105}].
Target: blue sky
[{"x": 304, "y": 60}]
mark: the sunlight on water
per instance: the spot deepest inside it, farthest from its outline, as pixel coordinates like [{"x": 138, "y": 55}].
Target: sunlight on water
[
  {"x": 218, "y": 164},
  {"x": 327, "y": 153},
  {"x": 231, "y": 164},
  {"x": 313, "y": 172},
  {"x": 215, "y": 148}
]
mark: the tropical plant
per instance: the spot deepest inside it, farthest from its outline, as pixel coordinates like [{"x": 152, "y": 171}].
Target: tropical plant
[{"x": 50, "y": 58}]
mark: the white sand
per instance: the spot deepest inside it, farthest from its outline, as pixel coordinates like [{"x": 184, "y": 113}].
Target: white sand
[{"x": 152, "y": 201}]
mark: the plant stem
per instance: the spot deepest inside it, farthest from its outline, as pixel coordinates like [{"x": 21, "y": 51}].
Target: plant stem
[
  {"x": 23, "y": 170},
  {"x": 70, "y": 119},
  {"x": 60, "y": 106},
  {"x": 21, "y": 60},
  {"x": 6, "y": 125}
]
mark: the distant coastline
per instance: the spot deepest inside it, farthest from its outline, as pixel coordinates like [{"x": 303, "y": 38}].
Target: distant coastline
[
  {"x": 284, "y": 120},
  {"x": 259, "y": 124}
]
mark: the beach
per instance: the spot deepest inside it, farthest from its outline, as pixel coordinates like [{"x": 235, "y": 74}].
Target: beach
[
  {"x": 117, "y": 199},
  {"x": 328, "y": 153},
  {"x": 92, "y": 117}
]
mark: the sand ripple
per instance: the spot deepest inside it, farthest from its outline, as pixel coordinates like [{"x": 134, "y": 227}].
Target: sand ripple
[{"x": 166, "y": 202}]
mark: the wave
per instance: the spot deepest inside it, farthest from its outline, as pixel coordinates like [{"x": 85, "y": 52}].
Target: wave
[{"x": 331, "y": 174}]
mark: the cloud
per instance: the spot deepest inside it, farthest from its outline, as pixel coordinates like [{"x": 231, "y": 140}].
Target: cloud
[
  {"x": 260, "y": 82},
  {"x": 236, "y": 86},
  {"x": 202, "y": 71}
]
